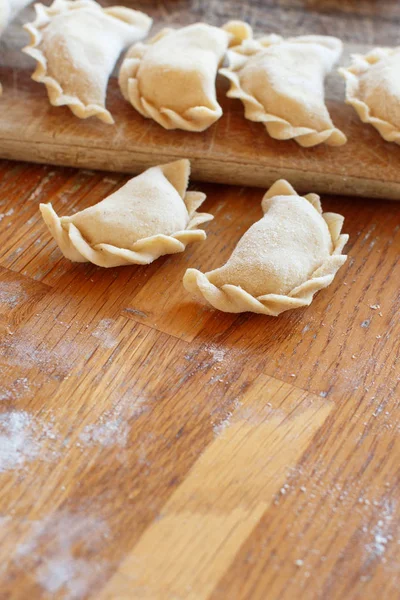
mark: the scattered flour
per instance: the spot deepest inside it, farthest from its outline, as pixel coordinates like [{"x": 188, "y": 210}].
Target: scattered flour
[
  {"x": 220, "y": 360},
  {"x": 219, "y": 428},
  {"x": 379, "y": 544},
  {"x": 218, "y": 354},
  {"x": 21, "y": 439},
  {"x": 103, "y": 333},
  {"x": 19, "y": 389},
  {"x": 24, "y": 438},
  {"x": 219, "y": 378},
  {"x": 113, "y": 427},
  {"x": 12, "y": 293},
  {"x": 39, "y": 189},
  {"x": 55, "y": 360},
  {"x": 240, "y": 412},
  {"x": 6, "y": 214},
  {"x": 381, "y": 532},
  {"x": 299, "y": 562},
  {"x": 73, "y": 574},
  {"x": 50, "y": 553}
]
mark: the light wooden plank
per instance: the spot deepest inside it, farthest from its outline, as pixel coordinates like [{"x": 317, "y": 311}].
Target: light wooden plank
[
  {"x": 233, "y": 150},
  {"x": 204, "y": 523},
  {"x": 335, "y": 532}
]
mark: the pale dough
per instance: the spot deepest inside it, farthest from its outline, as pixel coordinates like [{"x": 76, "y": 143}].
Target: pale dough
[
  {"x": 293, "y": 251},
  {"x": 281, "y": 84},
  {"x": 148, "y": 217},
  {"x": 171, "y": 78},
  {"x": 76, "y": 44},
  {"x": 373, "y": 89}
]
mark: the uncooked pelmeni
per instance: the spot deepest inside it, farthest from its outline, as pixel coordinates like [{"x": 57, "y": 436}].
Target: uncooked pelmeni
[
  {"x": 148, "y": 217},
  {"x": 76, "y": 44},
  {"x": 281, "y": 84},
  {"x": 373, "y": 89},
  {"x": 293, "y": 251},
  {"x": 171, "y": 78}
]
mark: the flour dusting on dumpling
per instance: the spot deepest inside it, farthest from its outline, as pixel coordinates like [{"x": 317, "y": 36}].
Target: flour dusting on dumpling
[
  {"x": 171, "y": 78},
  {"x": 293, "y": 251},
  {"x": 281, "y": 84},
  {"x": 151, "y": 215},
  {"x": 76, "y": 44}
]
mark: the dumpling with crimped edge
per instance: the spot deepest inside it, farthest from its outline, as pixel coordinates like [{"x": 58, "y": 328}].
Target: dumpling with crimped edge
[
  {"x": 76, "y": 44},
  {"x": 171, "y": 78},
  {"x": 293, "y": 251},
  {"x": 373, "y": 89},
  {"x": 281, "y": 84},
  {"x": 148, "y": 217}
]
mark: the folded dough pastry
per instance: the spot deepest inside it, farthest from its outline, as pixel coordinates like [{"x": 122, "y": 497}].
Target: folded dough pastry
[
  {"x": 148, "y": 217},
  {"x": 293, "y": 251},
  {"x": 171, "y": 78},
  {"x": 372, "y": 88},
  {"x": 281, "y": 84},
  {"x": 8, "y": 10},
  {"x": 76, "y": 44}
]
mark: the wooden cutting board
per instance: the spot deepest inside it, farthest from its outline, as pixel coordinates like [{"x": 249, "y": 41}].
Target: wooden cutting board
[{"x": 233, "y": 150}]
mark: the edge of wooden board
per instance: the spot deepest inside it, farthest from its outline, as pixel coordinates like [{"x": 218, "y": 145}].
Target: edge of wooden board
[
  {"x": 208, "y": 170},
  {"x": 232, "y": 151}
]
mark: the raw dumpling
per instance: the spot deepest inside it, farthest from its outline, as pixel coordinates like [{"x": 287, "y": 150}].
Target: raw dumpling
[
  {"x": 373, "y": 89},
  {"x": 8, "y": 10},
  {"x": 76, "y": 44},
  {"x": 149, "y": 216},
  {"x": 281, "y": 84},
  {"x": 293, "y": 251},
  {"x": 171, "y": 78}
]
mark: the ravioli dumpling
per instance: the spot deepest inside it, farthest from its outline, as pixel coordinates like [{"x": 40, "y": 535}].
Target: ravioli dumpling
[
  {"x": 281, "y": 84},
  {"x": 293, "y": 251},
  {"x": 148, "y": 217},
  {"x": 76, "y": 44},
  {"x": 171, "y": 78},
  {"x": 373, "y": 89}
]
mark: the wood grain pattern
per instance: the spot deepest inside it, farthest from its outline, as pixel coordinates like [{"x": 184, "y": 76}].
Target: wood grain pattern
[
  {"x": 204, "y": 523},
  {"x": 134, "y": 420},
  {"x": 153, "y": 448},
  {"x": 233, "y": 150}
]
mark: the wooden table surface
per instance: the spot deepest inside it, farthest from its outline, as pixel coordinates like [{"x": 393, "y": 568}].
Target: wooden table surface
[{"x": 152, "y": 448}]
